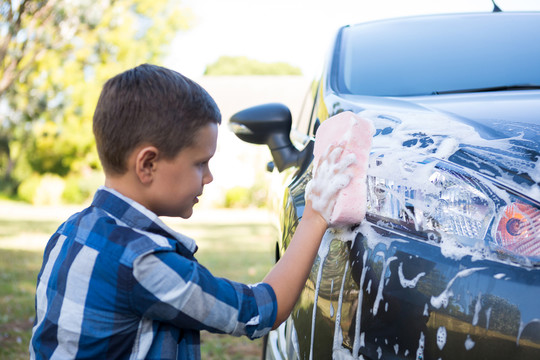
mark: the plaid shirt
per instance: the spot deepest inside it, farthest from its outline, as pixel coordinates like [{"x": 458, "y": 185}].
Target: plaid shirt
[{"x": 116, "y": 282}]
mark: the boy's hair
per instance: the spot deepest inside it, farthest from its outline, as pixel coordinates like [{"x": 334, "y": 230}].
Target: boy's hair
[{"x": 149, "y": 104}]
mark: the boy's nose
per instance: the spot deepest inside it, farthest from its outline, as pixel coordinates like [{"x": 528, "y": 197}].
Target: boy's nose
[{"x": 208, "y": 177}]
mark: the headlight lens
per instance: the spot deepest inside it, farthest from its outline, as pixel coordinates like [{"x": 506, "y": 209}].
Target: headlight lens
[
  {"x": 459, "y": 209},
  {"x": 452, "y": 207},
  {"x": 517, "y": 230}
]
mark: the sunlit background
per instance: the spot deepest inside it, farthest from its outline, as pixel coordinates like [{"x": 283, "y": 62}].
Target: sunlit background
[
  {"x": 296, "y": 32},
  {"x": 56, "y": 54}
]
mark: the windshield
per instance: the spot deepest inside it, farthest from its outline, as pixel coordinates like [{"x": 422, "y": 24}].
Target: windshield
[{"x": 422, "y": 56}]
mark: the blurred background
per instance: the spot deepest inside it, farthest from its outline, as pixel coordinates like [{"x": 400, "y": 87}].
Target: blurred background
[{"x": 56, "y": 54}]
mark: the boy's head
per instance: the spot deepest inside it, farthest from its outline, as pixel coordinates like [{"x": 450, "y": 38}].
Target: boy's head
[{"x": 150, "y": 105}]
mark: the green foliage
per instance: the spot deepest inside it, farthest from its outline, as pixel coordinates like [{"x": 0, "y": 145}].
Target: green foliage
[
  {"x": 49, "y": 151},
  {"x": 243, "y": 197},
  {"x": 80, "y": 188},
  {"x": 28, "y": 188},
  {"x": 241, "y": 65},
  {"x": 43, "y": 189},
  {"x": 237, "y": 196},
  {"x": 51, "y": 189},
  {"x": 54, "y": 58}
]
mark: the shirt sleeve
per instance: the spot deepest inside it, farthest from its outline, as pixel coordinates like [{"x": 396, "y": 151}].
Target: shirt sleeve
[{"x": 171, "y": 288}]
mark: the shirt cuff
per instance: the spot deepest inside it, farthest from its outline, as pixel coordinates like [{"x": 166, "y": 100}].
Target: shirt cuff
[{"x": 267, "y": 304}]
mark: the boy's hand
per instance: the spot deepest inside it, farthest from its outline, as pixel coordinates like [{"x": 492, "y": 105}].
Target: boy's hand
[
  {"x": 288, "y": 277},
  {"x": 330, "y": 175}
]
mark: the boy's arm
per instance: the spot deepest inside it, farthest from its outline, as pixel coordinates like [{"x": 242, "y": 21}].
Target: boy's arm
[
  {"x": 289, "y": 275},
  {"x": 287, "y": 278}
]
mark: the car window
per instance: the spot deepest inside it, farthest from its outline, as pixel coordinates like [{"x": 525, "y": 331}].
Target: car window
[
  {"x": 303, "y": 125},
  {"x": 430, "y": 56}
]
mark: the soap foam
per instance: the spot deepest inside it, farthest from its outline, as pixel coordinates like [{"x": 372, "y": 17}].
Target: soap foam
[{"x": 341, "y": 155}]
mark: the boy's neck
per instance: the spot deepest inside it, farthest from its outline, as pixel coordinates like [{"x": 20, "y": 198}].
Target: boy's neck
[{"x": 127, "y": 186}]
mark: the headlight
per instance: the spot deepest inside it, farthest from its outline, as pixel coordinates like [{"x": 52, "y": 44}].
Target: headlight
[
  {"x": 517, "y": 230},
  {"x": 462, "y": 214}
]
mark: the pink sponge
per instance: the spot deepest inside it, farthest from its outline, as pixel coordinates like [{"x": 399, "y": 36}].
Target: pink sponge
[{"x": 355, "y": 135}]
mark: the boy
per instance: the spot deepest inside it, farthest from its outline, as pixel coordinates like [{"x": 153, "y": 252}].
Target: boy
[{"x": 116, "y": 282}]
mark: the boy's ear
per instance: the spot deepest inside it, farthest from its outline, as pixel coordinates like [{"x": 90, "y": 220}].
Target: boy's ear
[{"x": 145, "y": 163}]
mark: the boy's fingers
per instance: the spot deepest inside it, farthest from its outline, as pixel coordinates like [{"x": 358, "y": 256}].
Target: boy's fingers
[
  {"x": 330, "y": 175},
  {"x": 348, "y": 159},
  {"x": 335, "y": 154}
]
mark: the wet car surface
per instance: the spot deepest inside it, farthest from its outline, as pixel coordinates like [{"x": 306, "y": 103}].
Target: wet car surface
[{"x": 446, "y": 264}]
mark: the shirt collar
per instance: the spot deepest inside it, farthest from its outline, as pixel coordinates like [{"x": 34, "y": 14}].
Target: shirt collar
[{"x": 136, "y": 215}]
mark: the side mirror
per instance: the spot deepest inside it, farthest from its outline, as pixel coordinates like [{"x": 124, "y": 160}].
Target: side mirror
[{"x": 268, "y": 124}]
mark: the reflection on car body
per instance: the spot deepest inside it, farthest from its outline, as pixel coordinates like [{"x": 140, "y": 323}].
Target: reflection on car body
[{"x": 447, "y": 262}]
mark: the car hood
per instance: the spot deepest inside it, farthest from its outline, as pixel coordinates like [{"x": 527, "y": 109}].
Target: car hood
[
  {"x": 506, "y": 114},
  {"x": 495, "y": 134}
]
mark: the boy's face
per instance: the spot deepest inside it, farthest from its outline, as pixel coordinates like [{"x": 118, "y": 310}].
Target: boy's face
[{"x": 178, "y": 182}]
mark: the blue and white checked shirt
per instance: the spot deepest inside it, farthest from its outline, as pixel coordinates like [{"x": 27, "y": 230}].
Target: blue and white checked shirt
[{"x": 117, "y": 283}]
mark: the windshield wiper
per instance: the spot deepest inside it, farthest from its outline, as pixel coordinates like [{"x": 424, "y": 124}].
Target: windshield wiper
[{"x": 486, "y": 89}]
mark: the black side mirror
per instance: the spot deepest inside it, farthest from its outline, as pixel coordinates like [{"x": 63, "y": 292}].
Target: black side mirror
[{"x": 268, "y": 124}]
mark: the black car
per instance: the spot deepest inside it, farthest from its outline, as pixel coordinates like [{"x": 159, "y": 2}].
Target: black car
[{"x": 446, "y": 264}]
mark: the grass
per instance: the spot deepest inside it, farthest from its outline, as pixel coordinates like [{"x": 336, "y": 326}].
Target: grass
[
  {"x": 238, "y": 251},
  {"x": 18, "y": 271}
]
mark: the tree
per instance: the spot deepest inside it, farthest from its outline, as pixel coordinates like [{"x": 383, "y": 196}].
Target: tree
[
  {"x": 241, "y": 65},
  {"x": 54, "y": 57}
]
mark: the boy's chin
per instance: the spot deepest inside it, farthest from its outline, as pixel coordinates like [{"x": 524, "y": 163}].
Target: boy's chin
[
  {"x": 183, "y": 213},
  {"x": 183, "y": 216},
  {"x": 186, "y": 214}
]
